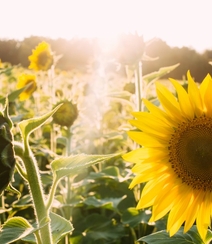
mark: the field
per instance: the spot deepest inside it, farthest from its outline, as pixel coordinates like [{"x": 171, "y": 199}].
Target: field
[{"x": 69, "y": 130}]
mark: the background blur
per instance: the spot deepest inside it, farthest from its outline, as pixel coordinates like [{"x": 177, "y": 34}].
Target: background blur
[{"x": 81, "y": 30}]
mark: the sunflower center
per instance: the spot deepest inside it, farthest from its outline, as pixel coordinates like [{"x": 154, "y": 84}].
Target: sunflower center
[
  {"x": 190, "y": 153},
  {"x": 44, "y": 59}
]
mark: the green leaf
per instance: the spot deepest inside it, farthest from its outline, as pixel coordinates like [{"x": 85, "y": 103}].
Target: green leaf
[
  {"x": 98, "y": 227},
  {"x": 29, "y": 125},
  {"x": 12, "y": 189},
  {"x": 13, "y": 95},
  {"x": 133, "y": 217},
  {"x": 73, "y": 164},
  {"x": 7, "y": 71},
  {"x": 107, "y": 203},
  {"x": 60, "y": 227},
  {"x": 15, "y": 229},
  {"x": 158, "y": 74},
  {"x": 162, "y": 237}
]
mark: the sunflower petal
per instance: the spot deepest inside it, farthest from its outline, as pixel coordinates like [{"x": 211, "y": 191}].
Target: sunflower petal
[
  {"x": 169, "y": 102},
  {"x": 184, "y": 100},
  {"x": 194, "y": 96},
  {"x": 145, "y": 140}
]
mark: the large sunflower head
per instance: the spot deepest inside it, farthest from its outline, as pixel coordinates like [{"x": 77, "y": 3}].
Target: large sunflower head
[
  {"x": 175, "y": 159},
  {"x": 29, "y": 81},
  {"x": 41, "y": 58}
]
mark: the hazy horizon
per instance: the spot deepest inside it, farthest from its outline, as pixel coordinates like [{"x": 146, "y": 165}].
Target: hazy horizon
[{"x": 178, "y": 23}]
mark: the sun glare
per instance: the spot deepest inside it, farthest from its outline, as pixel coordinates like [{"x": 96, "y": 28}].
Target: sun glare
[{"x": 107, "y": 19}]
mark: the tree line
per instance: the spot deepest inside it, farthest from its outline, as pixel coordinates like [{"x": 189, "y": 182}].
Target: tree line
[{"x": 77, "y": 53}]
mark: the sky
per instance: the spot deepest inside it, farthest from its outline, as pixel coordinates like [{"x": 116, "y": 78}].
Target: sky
[{"x": 177, "y": 22}]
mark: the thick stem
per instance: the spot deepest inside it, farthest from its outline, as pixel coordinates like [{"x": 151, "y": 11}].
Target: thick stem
[{"x": 35, "y": 186}]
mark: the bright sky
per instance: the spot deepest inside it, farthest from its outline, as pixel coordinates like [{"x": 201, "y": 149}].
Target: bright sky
[{"x": 178, "y": 22}]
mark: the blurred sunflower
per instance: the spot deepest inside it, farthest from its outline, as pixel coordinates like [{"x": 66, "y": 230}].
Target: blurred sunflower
[
  {"x": 66, "y": 114},
  {"x": 176, "y": 156},
  {"x": 24, "y": 80},
  {"x": 41, "y": 58}
]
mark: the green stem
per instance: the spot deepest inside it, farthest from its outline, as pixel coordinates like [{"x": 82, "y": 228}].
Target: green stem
[
  {"x": 36, "y": 190},
  {"x": 68, "y": 181},
  {"x": 139, "y": 86},
  {"x": 51, "y": 194}
]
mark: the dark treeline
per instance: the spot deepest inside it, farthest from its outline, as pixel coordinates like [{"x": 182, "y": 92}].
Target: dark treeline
[{"x": 77, "y": 53}]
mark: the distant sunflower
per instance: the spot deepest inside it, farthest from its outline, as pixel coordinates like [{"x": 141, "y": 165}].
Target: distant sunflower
[
  {"x": 41, "y": 58},
  {"x": 176, "y": 156},
  {"x": 24, "y": 80}
]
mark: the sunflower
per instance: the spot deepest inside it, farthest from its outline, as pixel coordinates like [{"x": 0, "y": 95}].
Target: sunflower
[
  {"x": 41, "y": 58},
  {"x": 29, "y": 81},
  {"x": 66, "y": 114},
  {"x": 175, "y": 159}
]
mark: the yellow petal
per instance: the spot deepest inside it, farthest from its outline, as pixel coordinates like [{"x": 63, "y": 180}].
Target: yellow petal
[
  {"x": 145, "y": 139},
  {"x": 169, "y": 102},
  {"x": 177, "y": 214},
  {"x": 203, "y": 216},
  {"x": 184, "y": 100},
  {"x": 150, "y": 191},
  {"x": 143, "y": 153},
  {"x": 152, "y": 127},
  {"x": 208, "y": 99},
  {"x": 193, "y": 209},
  {"x": 194, "y": 96},
  {"x": 160, "y": 114},
  {"x": 164, "y": 201},
  {"x": 147, "y": 175},
  {"x": 204, "y": 85}
]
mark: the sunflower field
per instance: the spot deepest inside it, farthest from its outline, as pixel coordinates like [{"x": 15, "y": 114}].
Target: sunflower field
[{"x": 104, "y": 157}]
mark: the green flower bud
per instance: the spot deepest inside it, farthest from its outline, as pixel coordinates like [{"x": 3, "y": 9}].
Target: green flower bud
[
  {"x": 7, "y": 156},
  {"x": 66, "y": 114}
]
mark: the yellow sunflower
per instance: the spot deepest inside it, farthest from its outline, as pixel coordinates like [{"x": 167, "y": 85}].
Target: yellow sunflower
[
  {"x": 41, "y": 58},
  {"x": 24, "y": 80},
  {"x": 175, "y": 159}
]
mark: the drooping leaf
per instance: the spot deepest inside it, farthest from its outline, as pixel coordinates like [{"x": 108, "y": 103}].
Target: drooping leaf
[
  {"x": 158, "y": 74},
  {"x": 15, "y": 229},
  {"x": 73, "y": 164},
  {"x": 29, "y": 125},
  {"x": 162, "y": 237},
  {"x": 60, "y": 227}
]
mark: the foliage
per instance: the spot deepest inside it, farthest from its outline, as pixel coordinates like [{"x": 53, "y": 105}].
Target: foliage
[{"x": 70, "y": 184}]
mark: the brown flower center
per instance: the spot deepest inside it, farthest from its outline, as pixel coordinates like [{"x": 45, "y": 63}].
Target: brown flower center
[
  {"x": 45, "y": 59},
  {"x": 190, "y": 152}
]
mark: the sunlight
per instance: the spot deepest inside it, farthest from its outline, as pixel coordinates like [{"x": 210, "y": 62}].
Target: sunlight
[{"x": 108, "y": 19}]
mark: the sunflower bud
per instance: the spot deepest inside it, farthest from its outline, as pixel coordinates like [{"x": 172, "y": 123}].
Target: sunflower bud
[
  {"x": 7, "y": 157},
  {"x": 66, "y": 114}
]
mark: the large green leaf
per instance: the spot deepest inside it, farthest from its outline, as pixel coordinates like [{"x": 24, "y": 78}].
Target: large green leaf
[
  {"x": 158, "y": 74},
  {"x": 73, "y": 164},
  {"x": 29, "y": 125},
  {"x": 97, "y": 228},
  {"x": 60, "y": 227},
  {"x": 15, "y": 229},
  {"x": 162, "y": 237}
]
